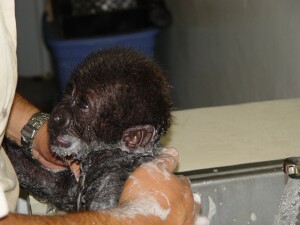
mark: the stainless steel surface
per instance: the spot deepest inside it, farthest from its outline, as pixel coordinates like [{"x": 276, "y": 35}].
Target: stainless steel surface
[
  {"x": 239, "y": 195},
  {"x": 291, "y": 166}
]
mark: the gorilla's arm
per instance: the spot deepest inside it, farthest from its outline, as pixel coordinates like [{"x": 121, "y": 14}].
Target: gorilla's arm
[{"x": 56, "y": 188}]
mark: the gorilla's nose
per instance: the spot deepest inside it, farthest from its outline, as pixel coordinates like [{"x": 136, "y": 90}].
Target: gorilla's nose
[{"x": 60, "y": 119}]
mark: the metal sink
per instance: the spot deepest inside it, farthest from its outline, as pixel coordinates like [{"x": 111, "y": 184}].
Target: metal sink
[{"x": 240, "y": 195}]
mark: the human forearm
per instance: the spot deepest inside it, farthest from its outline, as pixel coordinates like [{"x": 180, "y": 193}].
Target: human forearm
[
  {"x": 74, "y": 219},
  {"x": 96, "y": 218},
  {"x": 21, "y": 112}
]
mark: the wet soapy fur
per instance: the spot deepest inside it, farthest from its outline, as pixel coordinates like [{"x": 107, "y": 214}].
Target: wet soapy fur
[{"x": 110, "y": 119}]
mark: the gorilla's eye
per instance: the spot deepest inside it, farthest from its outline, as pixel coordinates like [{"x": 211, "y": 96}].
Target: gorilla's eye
[{"x": 82, "y": 103}]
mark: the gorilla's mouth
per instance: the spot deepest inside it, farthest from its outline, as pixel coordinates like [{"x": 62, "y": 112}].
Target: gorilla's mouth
[
  {"x": 66, "y": 146},
  {"x": 61, "y": 141}
]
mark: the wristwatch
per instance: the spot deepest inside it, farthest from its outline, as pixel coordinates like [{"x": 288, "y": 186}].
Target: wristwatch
[{"x": 29, "y": 131}]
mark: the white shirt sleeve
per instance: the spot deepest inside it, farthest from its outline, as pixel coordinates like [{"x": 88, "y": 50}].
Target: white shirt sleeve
[{"x": 8, "y": 79}]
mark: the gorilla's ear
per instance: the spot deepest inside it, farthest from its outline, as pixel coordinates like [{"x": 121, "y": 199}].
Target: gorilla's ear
[{"x": 138, "y": 136}]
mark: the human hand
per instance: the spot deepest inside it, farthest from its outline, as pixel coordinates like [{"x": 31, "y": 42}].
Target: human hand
[
  {"x": 153, "y": 193},
  {"x": 21, "y": 112},
  {"x": 42, "y": 152}
]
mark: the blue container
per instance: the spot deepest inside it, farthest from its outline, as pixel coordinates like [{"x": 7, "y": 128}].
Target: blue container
[{"x": 68, "y": 53}]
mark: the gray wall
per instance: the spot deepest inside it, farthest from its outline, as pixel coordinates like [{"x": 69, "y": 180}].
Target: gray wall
[
  {"x": 221, "y": 52},
  {"x": 33, "y": 58},
  {"x": 217, "y": 52}
]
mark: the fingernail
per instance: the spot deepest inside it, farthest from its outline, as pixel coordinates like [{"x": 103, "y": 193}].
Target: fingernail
[{"x": 171, "y": 151}]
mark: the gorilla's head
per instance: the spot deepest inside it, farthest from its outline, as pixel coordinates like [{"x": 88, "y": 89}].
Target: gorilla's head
[{"x": 116, "y": 97}]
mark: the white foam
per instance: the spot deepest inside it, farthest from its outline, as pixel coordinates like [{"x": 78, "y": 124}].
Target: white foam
[
  {"x": 202, "y": 220},
  {"x": 212, "y": 208},
  {"x": 134, "y": 179},
  {"x": 197, "y": 198},
  {"x": 145, "y": 205},
  {"x": 170, "y": 151},
  {"x": 253, "y": 217},
  {"x": 160, "y": 167}
]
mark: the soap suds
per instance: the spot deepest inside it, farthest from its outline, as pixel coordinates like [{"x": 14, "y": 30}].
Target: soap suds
[
  {"x": 253, "y": 217},
  {"x": 206, "y": 182},
  {"x": 134, "y": 179},
  {"x": 197, "y": 197},
  {"x": 146, "y": 205},
  {"x": 212, "y": 208},
  {"x": 170, "y": 151},
  {"x": 153, "y": 168},
  {"x": 201, "y": 220}
]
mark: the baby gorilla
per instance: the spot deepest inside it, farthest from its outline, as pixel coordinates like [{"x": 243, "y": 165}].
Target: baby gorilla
[{"x": 110, "y": 119}]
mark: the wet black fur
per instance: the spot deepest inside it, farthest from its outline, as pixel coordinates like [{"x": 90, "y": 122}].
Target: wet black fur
[{"x": 128, "y": 89}]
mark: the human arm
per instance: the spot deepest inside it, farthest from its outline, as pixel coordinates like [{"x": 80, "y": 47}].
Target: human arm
[
  {"x": 152, "y": 195},
  {"x": 21, "y": 112}
]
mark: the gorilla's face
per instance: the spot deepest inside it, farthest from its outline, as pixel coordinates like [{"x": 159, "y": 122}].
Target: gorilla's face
[
  {"x": 116, "y": 98},
  {"x": 72, "y": 123}
]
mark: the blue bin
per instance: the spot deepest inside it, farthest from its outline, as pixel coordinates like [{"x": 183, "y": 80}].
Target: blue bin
[{"x": 67, "y": 53}]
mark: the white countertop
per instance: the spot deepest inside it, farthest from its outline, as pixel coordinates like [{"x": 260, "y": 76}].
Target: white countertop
[{"x": 237, "y": 134}]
